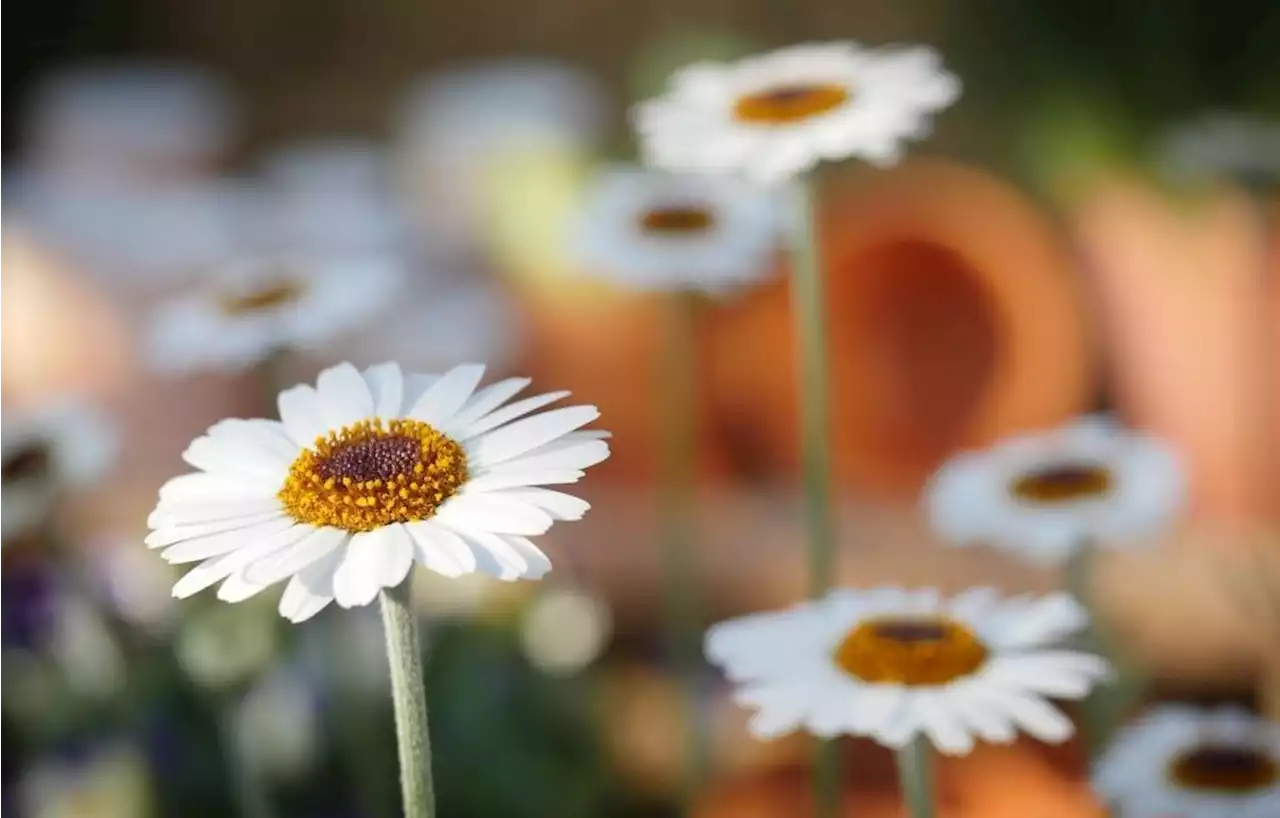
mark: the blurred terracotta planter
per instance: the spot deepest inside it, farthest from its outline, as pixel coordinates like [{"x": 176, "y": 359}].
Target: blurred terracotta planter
[
  {"x": 953, "y": 321},
  {"x": 1180, "y": 288}
]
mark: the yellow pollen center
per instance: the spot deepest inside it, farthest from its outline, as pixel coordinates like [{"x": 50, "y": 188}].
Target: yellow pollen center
[
  {"x": 366, "y": 476},
  {"x": 789, "y": 104},
  {"x": 28, "y": 461},
  {"x": 677, "y": 220},
  {"x": 913, "y": 651},
  {"x": 1063, "y": 483},
  {"x": 267, "y": 297},
  {"x": 1225, "y": 769}
]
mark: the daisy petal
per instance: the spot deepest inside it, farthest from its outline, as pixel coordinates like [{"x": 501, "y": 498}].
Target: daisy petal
[
  {"x": 293, "y": 559},
  {"x": 576, "y": 455},
  {"x": 235, "y": 458},
  {"x": 559, "y": 505},
  {"x": 237, "y": 589},
  {"x": 386, "y": 387},
  {"x": 494, "y": 512},
  {"x": 538, "y": 562},
  {"x": 192, "y": 512},
  {"x": 311, "y": 589},
  {"x": 439, "y": 549},
  {"x": 523, "y": 435},
  {"x": 204, "y": 487},
  {"x": 504, "y": 479},
  {"x": 494, "y": 555},
  {"x": 508, "y": 413},
  {"x": 373, "y": 560},
  {"x": 211, "y": 571},
  {"x": 169, "y": 535},
  {"x": 201, "y": 548},
  {"x": 344, "y": 396},
  {"x": 446, "y": 396},
  {"x": 487, "y": 400},
  {"x": 303, "y": 415}
]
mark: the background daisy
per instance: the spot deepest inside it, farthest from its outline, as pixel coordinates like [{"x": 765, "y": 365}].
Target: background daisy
[
  {"x": 652, "y": 230},
  {"x": 777, "y": 115},
  {"x": 1044, "y": 495},
  {"x": 368, "y": 473},
  {"x": 246, "y": 311},
  {"x": 893, "y": 664},
  {"x": 1191, "y": 763}
]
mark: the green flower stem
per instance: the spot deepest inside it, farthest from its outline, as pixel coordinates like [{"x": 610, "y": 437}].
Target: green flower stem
[
  {"x": 915, "y": 777},
  {"x": 679, "y": 459},
  {"x": 808, "y": 304},
  {"x": 409, "y": 696}
]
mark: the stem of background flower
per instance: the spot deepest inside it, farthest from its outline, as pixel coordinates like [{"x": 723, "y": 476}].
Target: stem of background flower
[
  {"x": 915, "y": 777},
  {"x": 1268, "y": 447},
  {"x": 679, "y": 388},
  {"x": 809, "y": 318},
  {"x": 409, "y": 695}
]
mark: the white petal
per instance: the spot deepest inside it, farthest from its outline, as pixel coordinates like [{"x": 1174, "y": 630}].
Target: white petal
[
  {"x": 446, "y": 396},
  {"x": 372, "y": 561},
  {"x": 538, "y": 562},
  {"x": 487, "y": 400},
  {"x": 941, "y": 724},
  {"x": 268, "y": 435},
  {"x": 501, "y": 478},
  {"x": 210, "y": 571},
  {"x": 577, "y": 455},
  {"x": 519, "y": 437},
  {"x": 204, "y": 487},
  {"x": 440, "y": 550},
  {"x": 779, "y": 709},
  {"x": 311, "y": 589},
  {"x": 494, "y": 555},
  {"x": 1043, "y": 621},
  {"x": 344, "y": 396},
  {"x": 985, "y": 719},
  {"x": 303, "y": 415},
  {"x": 193, "y": 512},
  {"x": 201, "y": 548},
  {"x": 296, "y": 557},
  {"x": 1059, "y": 674},
  {"x": 415, "y": 386},
  {"x": 177, "y": 533},
  {"x": 494, "y": 512},
  {"x": 1030, "y": 712},
  {"x": 508, "y": 413},
  {"x": 222, "y": 456},
  {"x": 237, "y": 589},
  {"x": 386, "y": 387},
  {"x": 559, "y": 505}
]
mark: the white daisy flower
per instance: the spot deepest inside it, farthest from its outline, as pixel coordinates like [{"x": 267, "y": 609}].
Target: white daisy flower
[
  {"x": 1182, "y": 762},
  {"x": 1231, "y": 145},
  {"x": 892, "y": 664},
  {"x": 655, "y": 230},
  {"x": 777, "y": 115},
  {"x": 367, "y": 473},
  {"x": 243, "y": 312},
  {"x": 1044, "y": 495},
  {"x": 59, "y": 447}
]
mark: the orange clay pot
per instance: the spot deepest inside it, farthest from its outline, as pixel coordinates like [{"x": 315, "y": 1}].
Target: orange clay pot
[
  {"x": 1180, "y": 288},
  {"x": 953, "y": 321}
]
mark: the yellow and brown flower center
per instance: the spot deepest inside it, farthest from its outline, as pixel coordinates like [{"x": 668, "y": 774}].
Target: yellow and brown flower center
[
  {"x": 25, "y": 462},
  {"x": 1225, "y": 768},
  {"x": 269, "y": 296},
  {"x": 677, "y": 220},
  {"x": 1063, "y": 483},
  {"x": 789, "y": 104},
  {"x": 368, "y": 475},
  {"x": 914, "y": 651}
]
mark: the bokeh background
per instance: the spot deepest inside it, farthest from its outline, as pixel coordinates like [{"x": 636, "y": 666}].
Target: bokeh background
[{"x": 1046, "y": 252}]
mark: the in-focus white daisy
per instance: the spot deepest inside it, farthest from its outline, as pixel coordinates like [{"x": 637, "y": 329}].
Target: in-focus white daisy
[
  {"x": 245, "y": 311},
  {"x": 893, "y": 664},
  {"x": 1224, "y": 145},
  {"x": 1183, "y": 762},
  {"x": 653, "y": 230},
  {"x": 367, "y": 473},
  {"x": 1044, "y": 495},
  {"x": 48, "y": 450},
  {"x": 776, "y": 115}
]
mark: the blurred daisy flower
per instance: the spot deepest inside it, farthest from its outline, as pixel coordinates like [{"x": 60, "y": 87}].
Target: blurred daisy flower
[
  {"x": 223, "y": 647},
  {"x": 1224, "y": 145},
  {"x": 1044, "y": 495},
  {"x": 652, "y": 230},
  {"x": 244, "y": 312},
  {"x": 892, "y": 664},
  {"x": 65, "y": 445},
  {"x": 777, "y": 115},
  {"x": 1191, "y": 763},
  {"x": 367, "y": 473},
  {"x": 276, "y": 727}
]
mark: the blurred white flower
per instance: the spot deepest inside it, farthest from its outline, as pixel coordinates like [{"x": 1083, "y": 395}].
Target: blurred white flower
[
  {"x": 276, "y": 730},
  {"x": 368, "y": 473},
  {"x": 1190, "y": 763},
  {"x": 1044, "y": 495},
  {"x": 135, "y": 585},
  {"x": 47, "y": 450},
  {"x": 222, "y": 646},
  {"x": 456, "y": 125},
  {"x": 244, "y": 312},
  {"x": 111, "y": 782},
  {"x": 777, "y": 115},
  {"x": 652, "y": 230},
  {"x": 143, "y": 123},
  {"x": 891, "y": 664},
  {"x": 91, "y": 661},
  {"x": 1224, "y": 145},
  {"x": 564, "y": 630}
]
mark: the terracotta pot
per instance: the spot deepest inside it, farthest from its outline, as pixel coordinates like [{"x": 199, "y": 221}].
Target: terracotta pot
[
  {"x": 953, "y": 321},
  {"x": 1180, "y": 286}
]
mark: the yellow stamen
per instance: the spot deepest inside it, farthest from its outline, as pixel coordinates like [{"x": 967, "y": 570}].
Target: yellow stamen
[
  {"x": 1063, "y": 483},
  {"x": 1223, "y": 768},
  {"x": 677, "y": 220},
  {"x": 910, "y": 651},
  {"x": 365, "y": 476},
  {"x": 270, "y": 296},
  {"x": 789, "y": 104}
]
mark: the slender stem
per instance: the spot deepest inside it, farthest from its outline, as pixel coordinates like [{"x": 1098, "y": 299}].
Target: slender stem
[
  {"x": 915, "y": 777},
  {"x": 410, "y": 698},
  {"x": 679, "y": 457},
  {"x": 809, "y": 318}
]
